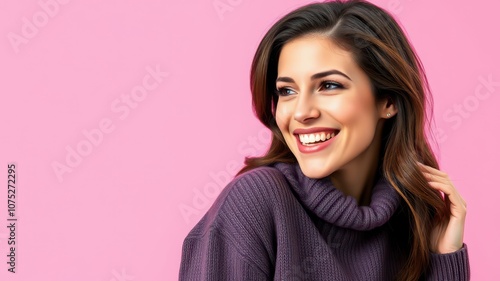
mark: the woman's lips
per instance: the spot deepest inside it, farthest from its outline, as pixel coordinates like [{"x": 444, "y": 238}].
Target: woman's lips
[{"x": 314, "y": 130}]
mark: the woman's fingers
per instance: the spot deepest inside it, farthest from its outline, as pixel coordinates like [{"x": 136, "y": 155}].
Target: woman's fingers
[
  {"x": 433, "y": 170},
  {"x": 433, "y": 174},
  {"x": 453, "y": 199},
  {"x": 440, "y": 181}
]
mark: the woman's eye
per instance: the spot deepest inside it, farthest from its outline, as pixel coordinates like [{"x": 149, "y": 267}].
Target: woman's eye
[
  {"x": 283, "y": 91},
  {"x": 328, "y": 85},
  {"x": 332, "y": 85}
]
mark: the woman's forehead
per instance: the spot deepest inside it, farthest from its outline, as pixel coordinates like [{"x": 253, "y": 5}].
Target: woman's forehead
[{"x": 308, "y": 55}]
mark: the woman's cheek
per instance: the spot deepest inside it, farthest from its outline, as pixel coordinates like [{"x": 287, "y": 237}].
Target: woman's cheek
[
  {"x": 282, "y": 115},
  {"x": 342, "y": 110}
]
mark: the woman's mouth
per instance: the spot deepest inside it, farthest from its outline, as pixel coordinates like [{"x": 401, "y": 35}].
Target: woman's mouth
[{"x": 314, "y": 142}]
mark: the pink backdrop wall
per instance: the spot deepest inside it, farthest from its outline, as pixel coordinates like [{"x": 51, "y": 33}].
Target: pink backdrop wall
[{"x": 125, "y": 119}]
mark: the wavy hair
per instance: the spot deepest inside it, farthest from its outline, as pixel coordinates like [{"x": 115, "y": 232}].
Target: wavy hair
[{"x": 380, "y": 48}]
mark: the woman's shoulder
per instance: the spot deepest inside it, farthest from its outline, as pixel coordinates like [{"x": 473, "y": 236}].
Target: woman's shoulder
[
  {"x": 259, "y": 178},
  {"x": 248, "y": 198},
  {"x": 258, "y": 187},
  {"x": 262, "y": 186}
]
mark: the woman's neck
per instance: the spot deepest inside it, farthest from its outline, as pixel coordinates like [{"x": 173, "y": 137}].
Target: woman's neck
[
  {"x": 356, "y": 185},
  {"x": 358, "y": 177}
]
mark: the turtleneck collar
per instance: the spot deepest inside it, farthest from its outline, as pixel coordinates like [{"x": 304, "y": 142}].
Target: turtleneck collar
[{"x": 330, "y": 204}]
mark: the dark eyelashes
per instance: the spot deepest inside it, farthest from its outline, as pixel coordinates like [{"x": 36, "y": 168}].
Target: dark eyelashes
[{"x": 281, "y": 90}]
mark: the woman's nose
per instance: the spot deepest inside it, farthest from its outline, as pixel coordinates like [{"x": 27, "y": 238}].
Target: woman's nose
[{"x": 305, "y": 108}]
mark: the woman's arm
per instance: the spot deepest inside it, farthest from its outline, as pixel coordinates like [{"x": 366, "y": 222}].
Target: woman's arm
[
  {"x": 214, "y": 257},
  {"x": 227, "y": 243},
  {"x": 450, "y": 266}
]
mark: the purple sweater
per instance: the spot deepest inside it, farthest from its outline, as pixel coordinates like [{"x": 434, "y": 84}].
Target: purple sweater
[{"x": 274, "y": 223}]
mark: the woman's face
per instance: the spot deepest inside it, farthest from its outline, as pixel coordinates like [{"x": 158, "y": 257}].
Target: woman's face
[{"x": 326, "y": 110}]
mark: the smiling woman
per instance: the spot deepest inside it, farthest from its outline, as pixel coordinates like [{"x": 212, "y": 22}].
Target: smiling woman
[{"x": 349, "y": 188}]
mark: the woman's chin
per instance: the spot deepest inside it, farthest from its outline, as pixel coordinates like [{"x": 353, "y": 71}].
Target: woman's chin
[{"x": 315, "y": 170}]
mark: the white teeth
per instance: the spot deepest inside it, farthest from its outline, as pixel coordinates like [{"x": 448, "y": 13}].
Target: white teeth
[{"x": 310, "y": 138}]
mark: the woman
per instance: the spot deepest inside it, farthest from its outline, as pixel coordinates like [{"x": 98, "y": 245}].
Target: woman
[{"x": 349, "y": 188}]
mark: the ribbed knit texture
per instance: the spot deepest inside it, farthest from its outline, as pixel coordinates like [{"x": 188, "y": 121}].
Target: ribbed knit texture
[{"x": 274, "y": 223}]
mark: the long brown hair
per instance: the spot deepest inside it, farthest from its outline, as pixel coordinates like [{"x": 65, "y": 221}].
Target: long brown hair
[{"x": 382, "y": 51}]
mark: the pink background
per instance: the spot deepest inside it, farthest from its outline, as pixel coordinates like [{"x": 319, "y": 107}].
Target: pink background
[{"x": 77, "y": 68}]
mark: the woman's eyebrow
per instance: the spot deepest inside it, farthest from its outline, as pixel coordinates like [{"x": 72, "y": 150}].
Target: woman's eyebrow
[{"x": 315, "y": 76}]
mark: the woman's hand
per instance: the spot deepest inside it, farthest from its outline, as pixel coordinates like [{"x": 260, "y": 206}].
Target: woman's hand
[{"x": 447, "y": 236}]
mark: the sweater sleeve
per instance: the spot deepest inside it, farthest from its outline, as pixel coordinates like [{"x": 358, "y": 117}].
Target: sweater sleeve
[
  {"x": 213, "y": 257},
  {"x": 452, "y": 266}
]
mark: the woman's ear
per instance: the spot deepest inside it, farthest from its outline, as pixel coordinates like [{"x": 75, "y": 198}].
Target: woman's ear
[{"x": 387, "y": 108}]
